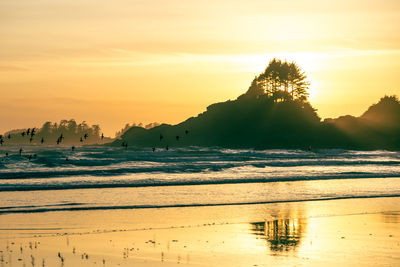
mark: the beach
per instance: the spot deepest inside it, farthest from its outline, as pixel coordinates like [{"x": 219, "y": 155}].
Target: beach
[
  {"x": 364, "y": 231},
  {"x": 199, "y": 207}
]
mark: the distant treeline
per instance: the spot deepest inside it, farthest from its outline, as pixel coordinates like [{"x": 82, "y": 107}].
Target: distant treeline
[{"x": 67, "y": 132}]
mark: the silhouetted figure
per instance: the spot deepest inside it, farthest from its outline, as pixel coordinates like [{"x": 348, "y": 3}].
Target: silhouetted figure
[
  {"x": 85, "y": 136},
  {"x": 102, "y": 136},
  {"x": 42, "y": 141},
  {"x": 30, "y": 140},
  {"x": 73, "y": 148},
  {"x": 1, "y": 142},
  {"x": 154, "y": 149},
  {"x": 20, "y": 151},
  {"x": 29, "y": 157},
  {"x": 177, "y": 138},
  {"x": 166, "y": 148},
  {"x": 34, "y": 156},
  {"x": 58, "y": 141},
  {"x": 9, "y": 136},
  {"x": 309, "y": 148},
  {"x": 6, "y": 154},
  {"x": 81, "y": 140},
  {"x": 161, "y": 137},
  {"x": 125, "y": 144},
  {"x": 66, "y": 159},
  {"x": 186, "y": 132},
  {"x": 28, "y": 131},
  {"x": 23, "y": 134}
]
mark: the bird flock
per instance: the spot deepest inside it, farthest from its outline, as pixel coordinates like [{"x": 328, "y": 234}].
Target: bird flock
[
  {"x": 30, "y": 133},
  {"x": 177, "y": 137}
]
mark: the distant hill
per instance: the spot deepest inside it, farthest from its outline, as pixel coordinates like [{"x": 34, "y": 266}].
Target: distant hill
[
  {"x": 250, "y": 122},
  {"x": 261, "y": 123},
  {"x": 377, "y": 128}
]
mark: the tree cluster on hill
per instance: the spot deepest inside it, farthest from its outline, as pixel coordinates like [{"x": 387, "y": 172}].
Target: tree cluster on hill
[
  {"x": 65, "y": 132},
  {"x": 281, "y": 81}
]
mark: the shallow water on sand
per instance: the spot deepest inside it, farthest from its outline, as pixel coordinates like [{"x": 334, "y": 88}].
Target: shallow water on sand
[{"x": 347, "y": 232}]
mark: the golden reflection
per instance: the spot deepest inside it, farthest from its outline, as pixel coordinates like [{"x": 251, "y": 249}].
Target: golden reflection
[
  {"x": 390, "y": 217},
  {"x": 281, "y": 235}
]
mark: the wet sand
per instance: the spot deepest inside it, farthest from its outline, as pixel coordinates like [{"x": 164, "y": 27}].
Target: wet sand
[{"x": 348, "y": 232}]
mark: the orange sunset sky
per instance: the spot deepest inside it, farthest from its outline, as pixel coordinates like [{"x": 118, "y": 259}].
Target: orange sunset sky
[{"x": 113, "y": 62}]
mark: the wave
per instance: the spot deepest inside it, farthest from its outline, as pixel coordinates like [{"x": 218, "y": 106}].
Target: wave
[
  {"x": 58, "y": 168},
  {"x": 53, "y": 208},
  {"x": 88, "y": 184},
  {"x": 78, "y": 168}
]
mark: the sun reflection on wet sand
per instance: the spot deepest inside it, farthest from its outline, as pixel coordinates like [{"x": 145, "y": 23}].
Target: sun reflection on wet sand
[{"x": 281, "y": 235}]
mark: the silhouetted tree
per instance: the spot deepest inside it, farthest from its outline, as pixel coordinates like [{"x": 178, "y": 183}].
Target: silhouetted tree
[
  {"x": 255, "y": 88},
  {"x": 280, "y": 81},
  {"x": 128, "y": 126}
]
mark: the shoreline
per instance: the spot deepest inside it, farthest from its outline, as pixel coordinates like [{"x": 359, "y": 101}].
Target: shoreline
[{"x": 138, "y": 207}]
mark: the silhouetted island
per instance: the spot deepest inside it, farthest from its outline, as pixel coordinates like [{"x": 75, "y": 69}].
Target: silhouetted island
[{"x": 275, "y": 113}]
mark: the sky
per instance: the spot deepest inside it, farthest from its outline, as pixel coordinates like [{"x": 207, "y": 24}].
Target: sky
[{"x": 123, "y": 61}]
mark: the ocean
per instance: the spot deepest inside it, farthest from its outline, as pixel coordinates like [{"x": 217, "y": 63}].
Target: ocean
[{"x": 49, "y": 178}]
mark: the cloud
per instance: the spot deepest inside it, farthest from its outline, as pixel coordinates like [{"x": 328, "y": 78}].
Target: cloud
[{"x": 7, "y": 68}]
